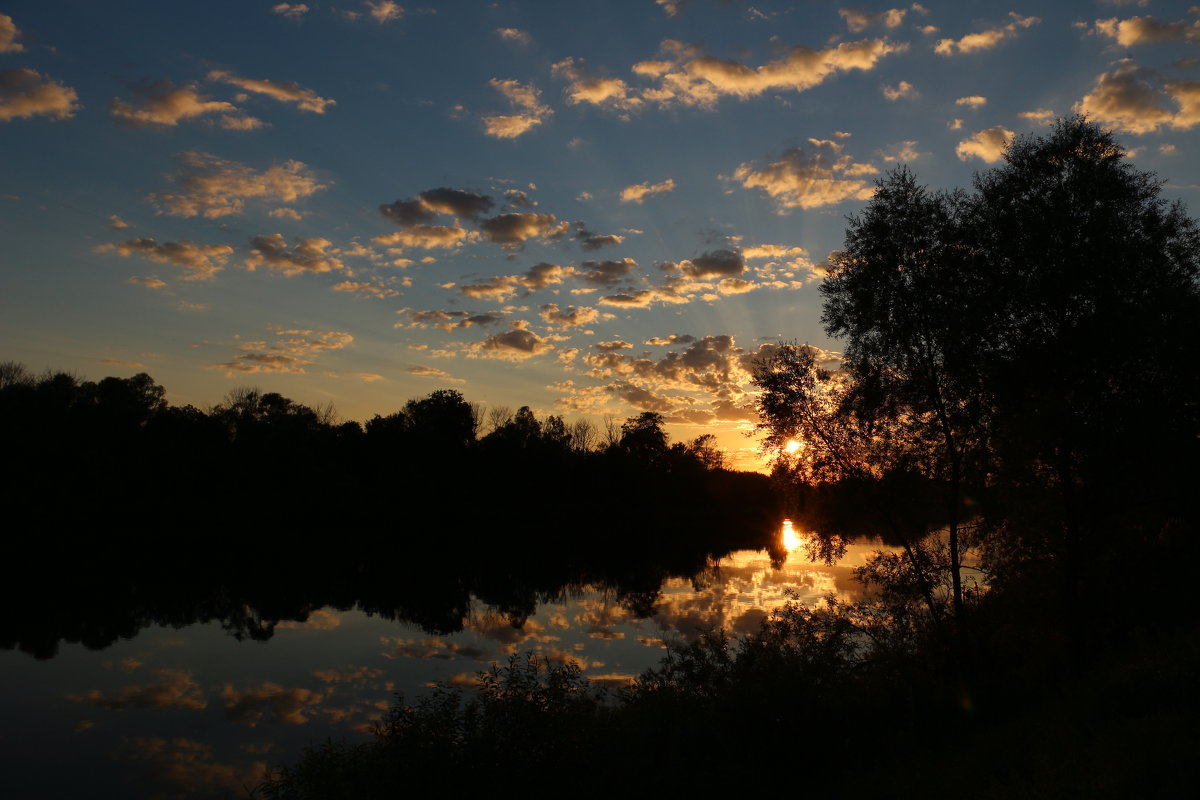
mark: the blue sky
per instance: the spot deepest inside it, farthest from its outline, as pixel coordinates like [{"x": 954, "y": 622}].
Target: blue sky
[{"x": 588, "y": 208}]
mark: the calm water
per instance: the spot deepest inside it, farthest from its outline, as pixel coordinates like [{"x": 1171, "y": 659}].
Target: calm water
[{"x": 194, "y": 712}]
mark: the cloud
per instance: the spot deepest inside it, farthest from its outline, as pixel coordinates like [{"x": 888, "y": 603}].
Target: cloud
[
  {"x": 671, "y": 7},
  {"x": 857, "y": 21},
  {"x": 384, "y": 11},
  {"x": 433, "y": 372},
  {"x": 213, "y": 187},
  {"x": 353, "y": 675},
  {"x": 986, "y": 39},
  {"x": 116, "y": 223},
  {"x": 177, "y": 689},
  {"x": 292, "y": 353},
  {"x": 675, "y": 338},
  {"x": 164, "y": 105},
  {"x": 513, "y": 229},
  {"x": 606, "y": 273},
  {"x": 517, "y": 344},
  {"x": 427, "y": 237},
  {"x": 514, "y": 35},
  {"x": 640, "y": 191},
  {"x": 902, "y": 89},
  {"x": 24, "y": 93},
  {"x": 524, "y": 100},
  {"x": 288, "y": 706},
  {"x": 446, "y": 320},
  {"x": 718, "y": 263},
  {"x": 971, "y": 101},
  {"x": 425, "y": 207},
  {"x": 987, "y": 145},
  {"x": 901, "y": 151},
  {"x": 497, "y": 289},
  {"x": 283, "y": 91},
  {"x": 1127, "y": 100},
  {"x": 293, "y": 11},
  {"x": 583, "y": 87},
  {"x": 571, "y": 316},
  {"x": 1147, "y": 30},
  {"x": 9, "y": 33},
  {"x": 201, "y": 262},
  {"x": 1042, "y": 116},
  {"x": 361, "y": 289},
  {"x": 594, "y": 241},
  {"x": 307, "y": 255},
  {"x": 151, "y": 282},
  {"x": 812, "y": 178},
  {"x": 685, "y": 77}
]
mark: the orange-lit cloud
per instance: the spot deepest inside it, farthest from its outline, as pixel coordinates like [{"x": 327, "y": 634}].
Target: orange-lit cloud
[
  {"x": 857, "y": 20},
  {"x": 902, "y": 89},
  {"x": 529, "y": 111},
  {"x": 1138, "y": 101},
  {"x": 514, "y": 35},
  {"x": 306, "y": 255},
  {"x": 971, "y": 101},
  {"x": 987, "y": 145},
  {"x": 986, "y": 39},
  {"x": 571, "y": 316},
  {"x": 283, "y": 91},
  {"x": 517, "y": 344},
  {"x": 1147, "y": 30},
  {"x": 812, "y": 177},
  {"x": 583, "y": 87},
  {"x": 422, "y": 371},
  {"x": 513, "y": 229},
  {"x": 200, "y": 262},
  {"x": 293, "y": 11},
  {"x": 362, "y": 289},
  {"x": 384, "y": 10},
  {"x": 177, "y": 689},
  {"x": 213, "y": 187},
  {"x": 270, "y": 700},
  {"x": 292, "y": 352},
  {"x": 640, "y": 191},
  {"x": 686, "y": 77},
  {"x": 9, "y": 33},
  {"x": 24, "y": 93},
  {"x": 182, "y": 767},
  {"x": 164, "y": 105}
]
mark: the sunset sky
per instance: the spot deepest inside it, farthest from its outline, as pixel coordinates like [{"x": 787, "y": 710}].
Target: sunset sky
[{"x": 587, "y": 208}]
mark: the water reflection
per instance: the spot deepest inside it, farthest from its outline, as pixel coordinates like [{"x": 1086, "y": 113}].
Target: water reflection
[{"x": 179, "y": 708}]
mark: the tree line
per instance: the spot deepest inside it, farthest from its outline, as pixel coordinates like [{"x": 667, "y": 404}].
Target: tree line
[{"x": 261, "y": 462}]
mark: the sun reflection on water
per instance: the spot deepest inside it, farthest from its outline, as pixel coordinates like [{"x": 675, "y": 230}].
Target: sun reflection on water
[{"x": 791, "y": 539}]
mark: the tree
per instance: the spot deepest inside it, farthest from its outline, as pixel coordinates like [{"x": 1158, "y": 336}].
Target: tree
[{"x": 1040, "y": 332}]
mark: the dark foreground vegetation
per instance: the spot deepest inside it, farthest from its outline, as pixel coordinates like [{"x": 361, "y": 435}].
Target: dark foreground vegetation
[{"x": 1017, "y": 411}]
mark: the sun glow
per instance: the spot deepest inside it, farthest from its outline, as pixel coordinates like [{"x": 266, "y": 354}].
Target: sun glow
[
  {"x": 792, "y": 446},
  {"x": 791, "y": 539}
]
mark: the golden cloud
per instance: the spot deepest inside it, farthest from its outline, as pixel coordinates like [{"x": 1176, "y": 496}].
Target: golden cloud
[{"x": 25, "y": 93}]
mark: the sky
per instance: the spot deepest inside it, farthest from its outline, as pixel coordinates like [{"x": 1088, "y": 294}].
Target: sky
[{"x": 587, "y": 208}]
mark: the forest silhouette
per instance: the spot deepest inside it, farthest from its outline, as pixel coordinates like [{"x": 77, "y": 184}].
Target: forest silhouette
[{"x": 1016, "y": 412}]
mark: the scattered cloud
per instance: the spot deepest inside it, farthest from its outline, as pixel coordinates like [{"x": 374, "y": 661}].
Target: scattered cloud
[
  {"x": 9, "y": 33},
  {"x": 514, "y": 229},
  {"x": 986, "y": 39},
  {"x": 291, "y": 352},
  {"x": 1147, "y": 30},
  {"x": 1138, "y": 101},
  {"x": 685, "y": 76},
  {"x": 1042, "y": 116},
  {"x": 283, "y": 91},
  {"x": 583, "y": 87},
  {"x": 270, "y": 700},
  {"x": 25, "y": 93},
  {"x": 376, "y": 290},
  {"x": 528, "y": 110},
  {"x": 517, "y": 344},
  {"x": 514, "y": 35},
  {"x": 151, "y": 282},
  {"x": 307, "y": 255},
  {"x": 571, "y": 316},
  {"x": 116, "y": 223},
  {"x": 606, "y": 273},
  {"x": 971, "y": 101},
  {"x": 433, "y": 372},
  {"x": 987, "y": 145},
  {"x": 857, "y": 21},
  {"x": 812, "y": 177},
  {"x": 640, "y": 191},
  {"x": 200, "y": 262},
  {"x": 902, "y": 89},
  {"x": 213, "y": 187},
  {"x": 293, "y": 11},
  {"x": 176, "y": 689},
  {"x": 162, "y": 104},
  {"x": 384, "y": 11}
]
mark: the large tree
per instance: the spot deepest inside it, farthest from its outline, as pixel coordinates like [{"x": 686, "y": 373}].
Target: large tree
[{"x": 1037, "y": 334}]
